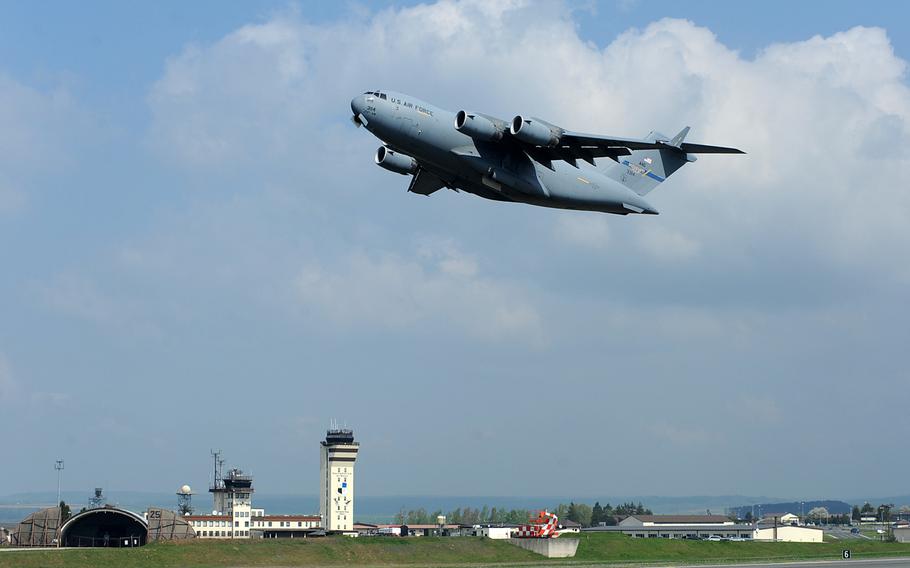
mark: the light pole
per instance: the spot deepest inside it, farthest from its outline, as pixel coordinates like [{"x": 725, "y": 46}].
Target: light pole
[{"x": 58, "y": 465}]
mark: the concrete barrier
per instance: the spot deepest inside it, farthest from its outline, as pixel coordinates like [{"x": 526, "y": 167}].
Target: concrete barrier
[{"x": 549, "y": 547}]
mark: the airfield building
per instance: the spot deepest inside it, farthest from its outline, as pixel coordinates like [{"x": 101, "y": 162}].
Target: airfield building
[
  {"x": 337, "y": 455},
  {"x": 679, "y": 526},
  {"x": 788, "y": 533},
  {"x": 902, "y": 534}
]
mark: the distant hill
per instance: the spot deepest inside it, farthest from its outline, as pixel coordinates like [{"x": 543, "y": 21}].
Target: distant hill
[
  {"x": 875, "y": 501},
  {"x": 795, "y": 507}
]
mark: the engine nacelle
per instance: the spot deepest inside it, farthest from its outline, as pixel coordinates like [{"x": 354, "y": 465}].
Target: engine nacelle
[
  {"x": 535, "y": 131},
  {"x": 395, "y": 162},
  {"x": 476, "y": 126}
]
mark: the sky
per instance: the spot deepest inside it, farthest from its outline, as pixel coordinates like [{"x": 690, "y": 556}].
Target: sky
[{"x": 197, "y": 251}]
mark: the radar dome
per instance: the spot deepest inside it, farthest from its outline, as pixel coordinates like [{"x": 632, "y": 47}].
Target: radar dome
[{"x": 185, "y": 489}]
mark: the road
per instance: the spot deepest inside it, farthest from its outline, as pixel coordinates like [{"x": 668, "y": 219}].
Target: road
[{"x": 843, "y": 533}]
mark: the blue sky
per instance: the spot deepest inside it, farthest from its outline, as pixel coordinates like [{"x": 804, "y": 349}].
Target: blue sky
[
  {"x": 112, "y": 50},
  {"x": 198, "y": 251}
]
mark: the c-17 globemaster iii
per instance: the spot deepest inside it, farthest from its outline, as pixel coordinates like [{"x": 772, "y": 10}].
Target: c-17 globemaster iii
[{"x": 526, "y": 160}]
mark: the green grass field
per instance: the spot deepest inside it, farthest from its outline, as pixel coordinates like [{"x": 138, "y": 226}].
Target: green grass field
[
  {"x": 593, "y": 549},
  {"x": 298, "y": 552},
  {"x": 616, "y": 548}
]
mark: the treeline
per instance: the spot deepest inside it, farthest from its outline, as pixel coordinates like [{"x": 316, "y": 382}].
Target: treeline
[
  {"x": 581, "y": 513},
  {"x": 464, "y": 516},
  {"x": 882, "y": 512}
]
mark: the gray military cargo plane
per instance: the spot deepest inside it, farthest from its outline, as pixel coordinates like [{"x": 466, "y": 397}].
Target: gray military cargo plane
[{"x": 526, "y": 160}]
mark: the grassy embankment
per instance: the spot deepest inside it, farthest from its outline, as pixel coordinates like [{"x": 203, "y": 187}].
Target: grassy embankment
[
  {"x": 297, "y": 552},
  {"x": 593, "y": 549}
]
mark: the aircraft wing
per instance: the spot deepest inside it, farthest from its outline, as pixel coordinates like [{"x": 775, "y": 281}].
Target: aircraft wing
[
  {"x": 599, "y": 141},
  {"x": 545, "y": 142},
  {"x": 425, "y": 182},
  {"x": 572, "y": 146}
]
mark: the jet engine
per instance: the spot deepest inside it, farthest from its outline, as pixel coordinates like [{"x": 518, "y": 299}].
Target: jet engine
[
  {"x": 395, "y": 162},
  {"x": 535, "y": 131},
  {"x": 477, "y": 126}
]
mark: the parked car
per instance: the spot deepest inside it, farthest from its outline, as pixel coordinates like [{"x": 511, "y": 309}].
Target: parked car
[{"x": 854, "y": 530}]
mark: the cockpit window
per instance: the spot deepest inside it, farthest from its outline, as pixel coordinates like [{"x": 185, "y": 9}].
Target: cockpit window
[{"x": 382, "y": 96}]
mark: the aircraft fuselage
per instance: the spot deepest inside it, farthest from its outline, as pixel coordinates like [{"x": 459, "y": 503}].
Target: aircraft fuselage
[{"x": 497, "y": 170}]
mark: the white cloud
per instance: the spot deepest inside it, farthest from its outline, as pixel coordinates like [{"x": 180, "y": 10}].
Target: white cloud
[
  {"x": 665, "y": 244},
  {"x": 819, "y": 195},
  {"x": 438, "y": 288},
  {"x": 38, "y": 128},
  {"x": 804, "y": 112},
  {"x": 589, "y": 231}
]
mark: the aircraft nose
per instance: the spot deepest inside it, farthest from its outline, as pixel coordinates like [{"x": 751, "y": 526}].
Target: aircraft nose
[{"x": 357, "y": 104}]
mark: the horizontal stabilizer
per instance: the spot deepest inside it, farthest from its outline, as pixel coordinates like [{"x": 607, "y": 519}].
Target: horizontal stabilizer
[{"x": 705, "y": 149}]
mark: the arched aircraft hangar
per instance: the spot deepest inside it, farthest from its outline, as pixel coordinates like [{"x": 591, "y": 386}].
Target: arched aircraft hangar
[{"x": 105, "y": 526}]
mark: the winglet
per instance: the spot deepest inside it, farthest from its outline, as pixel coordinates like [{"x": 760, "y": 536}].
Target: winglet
[{"x": 678, "y": 139}]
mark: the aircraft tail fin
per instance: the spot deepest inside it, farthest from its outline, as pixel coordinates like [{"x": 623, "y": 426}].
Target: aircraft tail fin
[
  {"x": 643, "y": 170},
  {"x": 678, "y": 139}
]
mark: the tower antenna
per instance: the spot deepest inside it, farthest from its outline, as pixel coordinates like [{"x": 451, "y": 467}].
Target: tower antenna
[
  {"x": 58, "y": 465},
  {"x": 217, "y": 481}
]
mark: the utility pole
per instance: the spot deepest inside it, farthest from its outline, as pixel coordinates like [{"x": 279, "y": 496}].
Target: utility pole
[{"x": 58, "y": 465}]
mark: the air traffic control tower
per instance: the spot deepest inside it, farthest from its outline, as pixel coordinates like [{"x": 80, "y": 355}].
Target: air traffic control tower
[
  {"x": 336, "y": 480},
  {"x": 232, "y": 496}
]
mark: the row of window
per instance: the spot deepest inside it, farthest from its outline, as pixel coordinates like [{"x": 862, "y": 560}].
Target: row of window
[
  {"x": 282, "y": 523},
  {"x": 216, "y": 523},
  {"x": 224, "y": 533}
]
